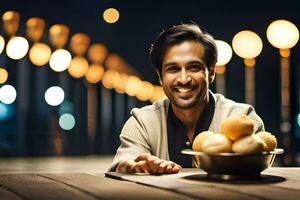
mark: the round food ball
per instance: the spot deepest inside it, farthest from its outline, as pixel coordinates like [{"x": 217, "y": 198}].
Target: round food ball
[
  {"x": 197, "y": 143},
  {"x": 216, "y": 143},
  {"x": 270, "y": 142},
  {"x": 248, "y": 144},
  {"x": 235, "y": 127}
]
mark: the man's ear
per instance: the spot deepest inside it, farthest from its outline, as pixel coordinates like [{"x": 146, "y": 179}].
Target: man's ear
[
  {"x": 159, "y": 76},
  {"x": 212, "y": 74}
]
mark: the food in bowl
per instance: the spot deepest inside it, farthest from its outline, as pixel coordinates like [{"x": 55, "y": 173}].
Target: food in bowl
[
  {"x": 237, "y": 126},
  {"x": 236, "y": 135},
  {"x": 248, "y": 144},
  {"x": 216, "y": 143}
]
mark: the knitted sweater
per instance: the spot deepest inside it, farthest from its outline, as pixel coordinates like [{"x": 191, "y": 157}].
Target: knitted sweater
[{"x": 146, "y": 130}]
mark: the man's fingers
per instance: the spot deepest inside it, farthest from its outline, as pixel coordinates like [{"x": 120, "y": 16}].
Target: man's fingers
[
  {"x": 142, "y": 167},
  {"x": 143, "y": 156},
  {"x": 176, "y": 168},
  {"x": 162, "y": 168},
  {"x": 154, "y": 163}
]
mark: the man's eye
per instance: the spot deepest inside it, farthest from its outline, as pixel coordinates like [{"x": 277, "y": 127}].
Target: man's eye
[
  {"x": 172, "y": 69},
  {"x": 195, "y": 68}
]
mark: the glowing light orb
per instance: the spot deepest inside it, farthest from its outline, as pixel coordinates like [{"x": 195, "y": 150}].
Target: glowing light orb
[
  {"x": 17, "y": 48},
  {"x": 60, "y": 60},
  {"x": 54, "y": 95},
  {"x": 8, "y": 94}
]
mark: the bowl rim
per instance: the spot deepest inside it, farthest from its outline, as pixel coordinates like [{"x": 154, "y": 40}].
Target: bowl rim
[{"x": 198, "y": 153}]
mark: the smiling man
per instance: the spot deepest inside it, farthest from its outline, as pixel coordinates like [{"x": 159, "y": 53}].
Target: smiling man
[{"x": 184, "y": 58}]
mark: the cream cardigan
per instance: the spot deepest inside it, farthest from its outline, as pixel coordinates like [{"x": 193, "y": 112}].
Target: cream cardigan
[{"x": 146, "y": 130}]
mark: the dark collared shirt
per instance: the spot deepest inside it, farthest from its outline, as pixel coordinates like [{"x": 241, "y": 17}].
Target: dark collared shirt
[{"x": 177, "y": 133}]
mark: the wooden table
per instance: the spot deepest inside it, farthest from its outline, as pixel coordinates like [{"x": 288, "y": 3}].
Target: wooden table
[{"x": 84, "y": 178}]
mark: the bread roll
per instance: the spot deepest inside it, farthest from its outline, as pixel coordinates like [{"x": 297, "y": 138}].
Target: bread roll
[
  {"x": 197, "y": 143},
  {"x": 216, "y": 143},
  {"x": 248, "y": 144},
  {"x": 235, "y": 127},
  {"x": 270, "y": 142}
]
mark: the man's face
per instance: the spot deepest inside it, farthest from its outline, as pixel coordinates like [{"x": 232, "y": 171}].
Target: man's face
[{"x": 185, "y": 77}]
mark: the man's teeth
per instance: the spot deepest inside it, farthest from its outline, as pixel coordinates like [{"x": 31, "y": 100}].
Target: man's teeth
[{"x": 184, "y": 89}]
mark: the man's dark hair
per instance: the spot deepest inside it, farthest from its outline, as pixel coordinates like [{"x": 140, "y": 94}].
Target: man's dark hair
[{"x": 180, "y": 33}]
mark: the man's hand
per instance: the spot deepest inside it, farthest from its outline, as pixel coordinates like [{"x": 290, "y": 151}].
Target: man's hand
[{"x": 146, "y": 163}]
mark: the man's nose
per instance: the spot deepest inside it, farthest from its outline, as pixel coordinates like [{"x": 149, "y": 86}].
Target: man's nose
[{"x": 184, "y": 77}]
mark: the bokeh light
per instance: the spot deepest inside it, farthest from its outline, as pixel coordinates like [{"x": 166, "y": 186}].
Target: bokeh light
[
  {"x": 54, "y": 95},
  {"x": 39, "y": 54},
  {"x": 66, "y": 121},
  {"x": 282, "y": 34},
  {"x": 60, "y": 60},
  {"x": 2, "y": 43},
  {"x": 17, "y": 48},
  {"x": 94, "y": 73},
  {"x": 146, "y": 91},
  {"x": 111, "y": 15},
  {"x": 110, "y": 78},
  {"x": 157, "y": 94},
  {"x": 6, "y": 111},
  {"x": 58, "y": 35},
  {"x": 78, "y": 67},
  {"x": 97, "y": 53},
  {"x": 120, "y": 86},
  {"x": 247, "y": 44},
  {"x": 8, "y": 94},
  {"x": 66, "y": 107},
  {"x": 133, "y": 85},
  {"x": 224, "y": 52},
  {"x": 298, "y": 119},
  {"x": 79, "y": 43},
  {"x": 3, "y": 75}
]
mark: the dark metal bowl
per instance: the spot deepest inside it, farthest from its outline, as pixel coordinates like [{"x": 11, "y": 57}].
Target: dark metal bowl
[{"x": 234, "y": 165}]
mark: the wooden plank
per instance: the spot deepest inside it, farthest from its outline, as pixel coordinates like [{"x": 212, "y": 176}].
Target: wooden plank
[
  {"x": 174, "y": 182},
  {"x": 264, "y": 188},
  {"x": 34, "y": 187},
  {"x": 109, "y": 188},
  {"x": 5, "y": 194}
]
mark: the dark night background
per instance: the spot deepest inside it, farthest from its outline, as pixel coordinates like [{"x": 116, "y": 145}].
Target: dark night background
[{"x": 138, "y": 26}]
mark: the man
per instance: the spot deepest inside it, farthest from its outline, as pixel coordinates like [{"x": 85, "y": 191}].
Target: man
[{"x": 151, "y": 140}]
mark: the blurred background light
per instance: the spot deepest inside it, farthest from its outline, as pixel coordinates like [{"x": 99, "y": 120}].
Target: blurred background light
[
  {"x": 60, "y": 60},
  {"x": 157, "y": 94},
  {"x": 11, "y": 20},
  {"x": 97, "y": 53},
  {"x": 298, "y": 119},
  {"x": 146, "y": 91},
  {"x": 111, "y": 78},
  {"x": 120, "y": 86},
  {"x": 66, "y": 121},
  {"x": 66, "y": 107},
  {"x": 133, "y": 85},
  {"x": 8, "y": 94},
  {"x": 247, "y": 44},
  {"x": 54, "y": 95},
  {"x": 35, "y": 28},
  {"x": 94, "y": 73},
  {"x": 78, "y": 67},
  {"x": 58, "y": 35},
  {"x": 224, "y": 52},
  {"x": 6, "y": 111},
  {"x": 3, "y": 75},
  {"x": 111, "y": 15},
  {"x": 17, "y": 48},
  {"x": 79, "y": 43},
  {"x": 2, "y": 43},
  {"x": 282, "y": 34},
  {"x": 39, "y": 54}
]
